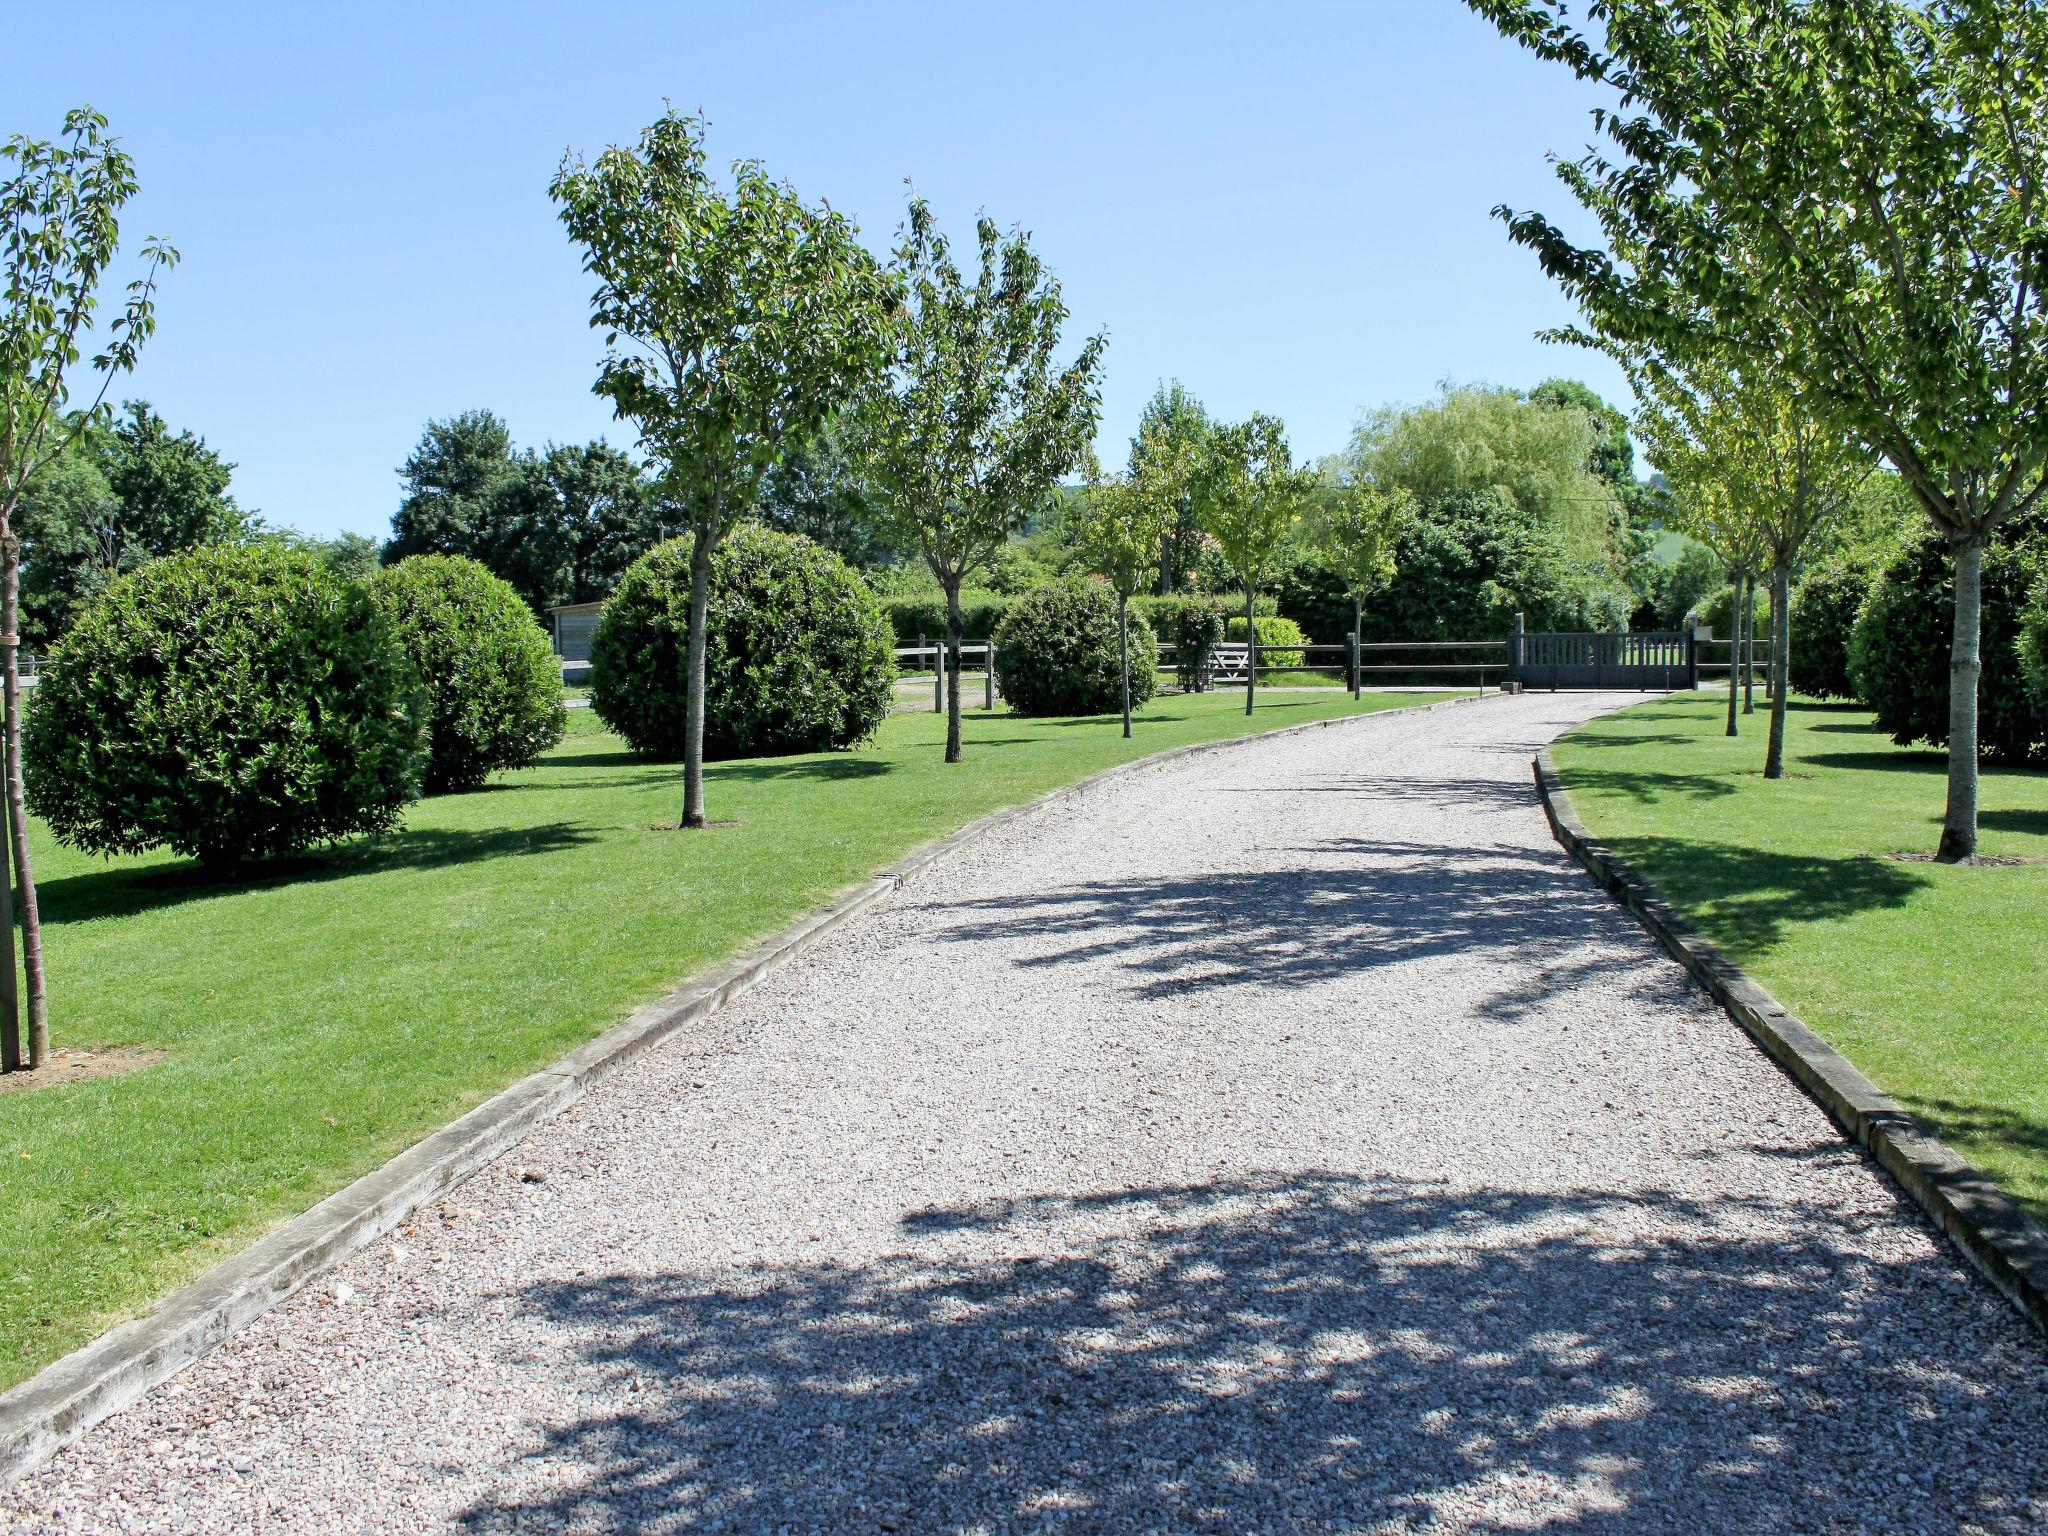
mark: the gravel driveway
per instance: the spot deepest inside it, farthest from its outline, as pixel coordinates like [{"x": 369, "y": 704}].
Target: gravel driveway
[{"x": 1288, "y": 1139}]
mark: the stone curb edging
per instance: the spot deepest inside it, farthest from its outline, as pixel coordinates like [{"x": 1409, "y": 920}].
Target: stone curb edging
[
  {"x": 2005, "y": 1244},
  {"x": 66, "y": 1398}
]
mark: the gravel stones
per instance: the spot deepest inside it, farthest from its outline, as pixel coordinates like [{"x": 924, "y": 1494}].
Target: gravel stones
[{"x": 1285, "y": 1139}]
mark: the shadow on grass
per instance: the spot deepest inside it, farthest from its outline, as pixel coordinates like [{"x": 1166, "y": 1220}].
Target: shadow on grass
[
  {"x": 1746, "y": 898},
  {"x": 2029, "y": 823},
  {"x": 822, "y": 770},
  {"x": 127, "y": 892},
  {"x": 1648, "y": 786},
  {"x": 1882, "y": 757},
  {"x": 1310, "y": 1351}
]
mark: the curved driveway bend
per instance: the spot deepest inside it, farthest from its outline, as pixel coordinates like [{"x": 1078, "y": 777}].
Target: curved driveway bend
[{"x": 1286, "y": 1139}]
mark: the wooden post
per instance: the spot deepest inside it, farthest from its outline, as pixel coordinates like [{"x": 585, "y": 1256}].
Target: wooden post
[
  {"x": 1351, "y": 660},
  {"x": 1518, "y": 650},
  {"x": 939, "y": 678},
  {"x": 988, "y": 675}
]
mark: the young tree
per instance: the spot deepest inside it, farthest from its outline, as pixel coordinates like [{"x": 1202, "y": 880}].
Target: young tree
[
  {"x": 1787, "y": 474},
  {"x": 60, "y": 230},
  {"x": 967, "y": 434},
  {"x": 1250, "y": 494},
  {"x": 1855, "y": 191},
  {"x": 1353, "y": 530},
  {"x": 1173, "y": 434},
  {"x": 737, "y": 323},
  {"x": 1122, "y": 522}
]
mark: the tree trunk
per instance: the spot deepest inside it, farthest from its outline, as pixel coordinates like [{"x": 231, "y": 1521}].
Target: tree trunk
[
  {"x": 1748, "y": 596},
  {"x": 1357, "y": 641},
  {"x": 1166, "y": 563},
  {"x": 10, "y": 989},
  {"x": 1735, "y": 659},
  {"x": 1959, "y": 824},
  {"x": 17, "y": 805},
  {"x": 1123, "y": 626},
  {"x": 1781, "y": 645},
  {"x": 693, "y": 718},
  {"x": 952, "y": 665},
  {"x": 1251, "y": 650}
]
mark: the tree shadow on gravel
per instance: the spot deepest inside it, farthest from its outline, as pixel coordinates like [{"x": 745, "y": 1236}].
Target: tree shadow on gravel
[
  {"x": 1310, "y": 1353},
  {"x": 1315, "y": 915}
]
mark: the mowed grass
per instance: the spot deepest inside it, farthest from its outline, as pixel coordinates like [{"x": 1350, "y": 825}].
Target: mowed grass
[
  {"x": 1932, "y": 979},
  {"x": 321, "y": 1017}
]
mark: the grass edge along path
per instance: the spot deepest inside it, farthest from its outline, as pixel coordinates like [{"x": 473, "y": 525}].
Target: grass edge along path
[
  {"x": 1929, "y": 978},
  {"x": 322, "y": 1015}
]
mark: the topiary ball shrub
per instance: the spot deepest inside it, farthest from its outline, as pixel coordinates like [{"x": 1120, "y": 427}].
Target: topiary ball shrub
[
  {"x": 1272, "y": 629},
  {"x": 1824, "y": 608},
  {"x": 229, "y": 703},
  {"x": 1058, "y": 652},
  {"x": 1899, "y": 651},
  {"x": 494, "y": 688},
  {"x": 798, "y": 656}
]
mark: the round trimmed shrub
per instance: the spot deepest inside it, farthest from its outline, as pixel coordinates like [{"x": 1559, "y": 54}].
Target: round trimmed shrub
[
  {"x": 1899, "y": 651},
  {"x": 1058, "y": 652},
  {"x": 1824, "y": 608},
  {"x": 229, "y": 703},
  {"x": 1272, "y": 628},
  {"x": 798, "y": 656},
  {"x": 494, "y": 688}
]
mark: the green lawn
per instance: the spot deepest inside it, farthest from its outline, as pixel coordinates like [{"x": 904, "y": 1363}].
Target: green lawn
[
  {"x": 320, "y": 1019},
  {"x": 1930, "y": 978}
]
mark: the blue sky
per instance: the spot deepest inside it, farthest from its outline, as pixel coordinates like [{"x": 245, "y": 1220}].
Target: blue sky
[{"x": 1284, "y": 206}]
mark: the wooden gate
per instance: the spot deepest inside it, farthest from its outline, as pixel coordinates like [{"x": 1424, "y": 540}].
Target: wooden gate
[{"x": 1653, "y": 661}]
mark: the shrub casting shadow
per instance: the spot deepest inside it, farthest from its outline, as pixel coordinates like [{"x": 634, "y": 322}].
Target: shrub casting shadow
[
  {"x": 1648, "y": 786},
  {"x": 2032, "y": 823},
  {"x": 1313, "y": 1352},
  {"x": 125, "y": 893},
  {"x": 829, "y": 770}
]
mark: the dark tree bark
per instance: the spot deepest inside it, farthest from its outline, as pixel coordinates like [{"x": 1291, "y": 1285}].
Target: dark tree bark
[
  {"x": 1123, "y": 625},
  {"x": 10, "y": 990},
  {"x": 952, "y": 665},
  {"x": 1959, "y": 821},
  {"x": 1781, "y": 648},
  {"x": 693, "y": 719},
  {"x": 17, "y": 804},
  {"x": 1748, "y": 631},
  {"x": 1357, "y": 641},
  {"x": 1251, "y": 650}
]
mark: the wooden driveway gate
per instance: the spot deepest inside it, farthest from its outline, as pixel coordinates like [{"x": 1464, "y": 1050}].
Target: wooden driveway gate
[{"x": 1650, "y": 660}]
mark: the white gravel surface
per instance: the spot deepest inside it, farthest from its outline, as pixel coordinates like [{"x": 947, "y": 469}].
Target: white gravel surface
[{"x": 1288, "y": 1139}]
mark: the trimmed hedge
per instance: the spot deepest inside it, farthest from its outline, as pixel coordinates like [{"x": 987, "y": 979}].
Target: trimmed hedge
[
  {"x": 231, "y": 703},
  {"x": 798, "y": 655},
  {"x": 494, "y": 688},
  {"x": 1899, "y": 651},
  {"x": 1272, "y": 629},
  {"x": 1718, "y": 613},
  {"x": 911, "y": 617},
  {"x": 1824, "y": 609},
  {"x": 1058, "y": 652}
]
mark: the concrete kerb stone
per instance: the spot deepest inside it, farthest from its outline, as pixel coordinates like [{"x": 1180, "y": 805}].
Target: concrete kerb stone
[
  {"x": 1991, "y": 1230},
  {"x": 66, "y": 1398}
]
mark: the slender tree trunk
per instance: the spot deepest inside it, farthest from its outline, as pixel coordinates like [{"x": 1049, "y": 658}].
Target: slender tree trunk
[
  {"x": 952, "y": 665},
  {"x": 1735, "y": 660},
  {"x": 1959, "y": 824},
  {"x": 1251, "y": 650},
  {"x": 1748, "y": 596},
  {"x": 17, "y": 805},
  {"x": 1166, "y": 563},
  {"x": 1781, "y": 644},
  {"x": 1357, "y": 641},
  {"x": 1123, "y": 625},
  {"x": 693, "y": 717},
  {"x": 10, "y": 987}
]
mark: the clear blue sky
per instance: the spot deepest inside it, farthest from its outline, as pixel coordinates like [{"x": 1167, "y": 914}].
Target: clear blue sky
[{"x": 1285, "y": 206}]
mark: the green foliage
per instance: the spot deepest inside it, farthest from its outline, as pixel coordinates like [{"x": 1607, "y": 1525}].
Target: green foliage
[
  {"x": 231, "y": 703},
  {"x": 1718, "y": 611},
  {"x": 1686, "y": 583},
  {"x": 1353, "y": 532},
  {"x": 1273, "y": 630},
  {"x": 1899, "y": 650},
  {"x": 817, "y": 491},
  {"x": 1611, "y": 457},
  {"x": 1475, "y": 440},
  {"x": 1468, "y": 562},
  {"x": 1058, "y": 652},
  {"x": 1250, "y": 495},
  {"x": 924, "y": 618},
  {"x": 560, "y": 525},
  {"x": 1824, "y": 609},
  {"x": 798, "y": 655},
  {"x": 1167, "y": 455},
  {"x": 494, "y": 688},
  {"x": 1193, "y": 626},
  {"x": 352, "y": 556}
]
